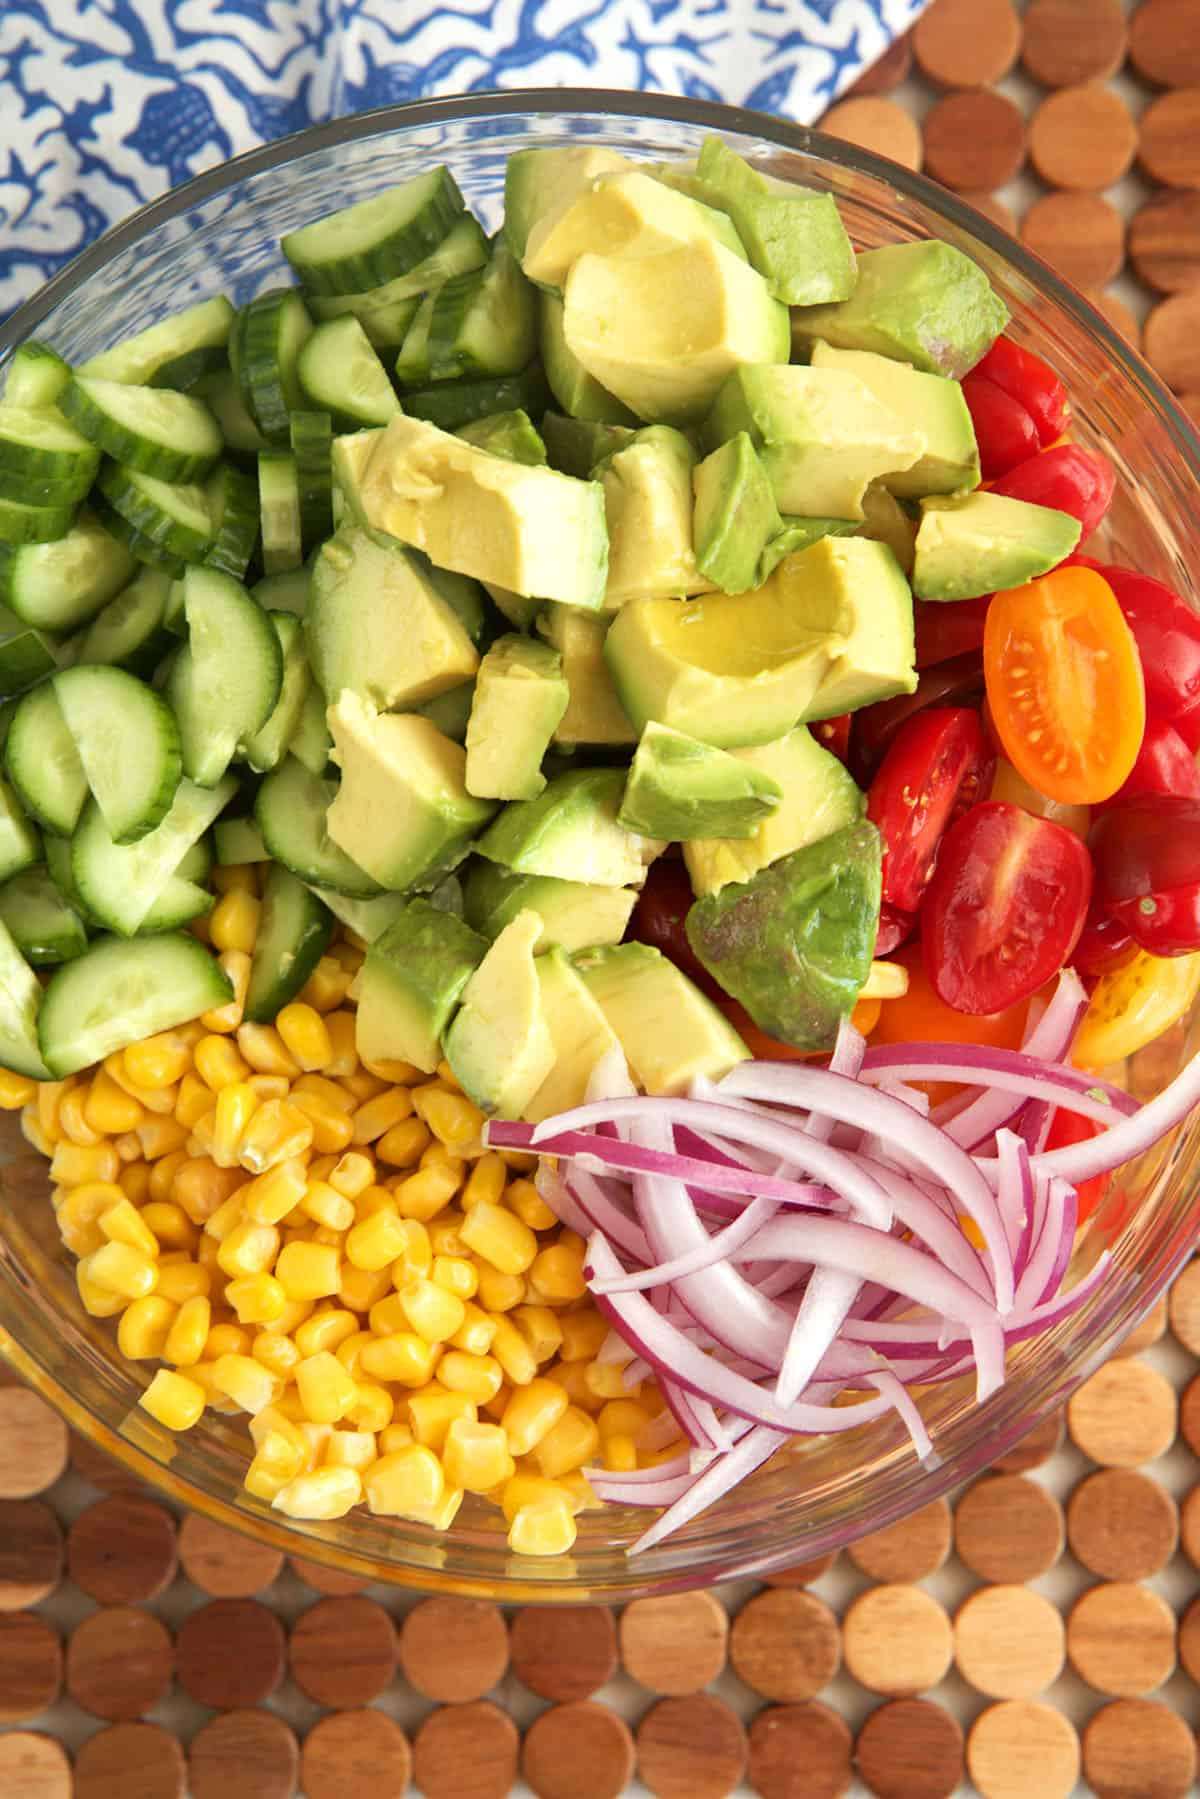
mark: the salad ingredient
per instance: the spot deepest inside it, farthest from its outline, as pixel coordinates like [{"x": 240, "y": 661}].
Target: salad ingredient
[
  {"x": 939, "y": 764},
  {"x": 268, "y": 336},
  {"x": 1167, "y": 632},
  {"x": 128, "y": 745},
  {"x": 60, "y": 586},
  {"x": 378, "y": 239},
  {"x": 648, "y": 506},
  {"x": 1066, "y": 479},
  {"x": 932, "y": 405},
  {"x": 920, "y": 1016},
  {"x": 679, "y": 789},
  {"x": 735, "y": 515},
  {"x": 1133, "y": 1004},
  {"x": 669, "y": 1031},
  {"x": 43, "y": 926},
  {"x": 580, "y": 1035},
  {"x": 42, "y": 761},
  {"x": 520, "y": 697},
  {"x": 412, "y": 979},
  {"x": 1004, "y": 431},
  {"x": 1164, "y": 764},
  {"x": 293, "y": 934},
  {"x": 1147, "y": 856},
  {"x": 168, "y": 434},
  {"x": 577, "y": 392},
  {"x": 574, "y": 914},
  {"x": 225, "y": 681},
  {"x": 1018, "y": 372},
  {"x": 174, "y": 353},
  {"x": 498, "y": 1043},
  {"x": 793, "y": 236},
  {"x": 22, "y": 996},
  {"x": 340, "y": 372},
  {"x": 1008, "y": 785},
  {"x": 511, "y": 434},
  {"x": 970, "y": 544},
  {"x": 571, "y": 831},
  {"x": 944, "y": 633},
  {"x": 630, "y": 214},
  {"x": 1104, "y": 945},
  {"x": 93, "y": 1003},
  {"x": 594, "y": 713},
  {"x": 542, "y": 183},
  {"x": 122, "y": 886}
]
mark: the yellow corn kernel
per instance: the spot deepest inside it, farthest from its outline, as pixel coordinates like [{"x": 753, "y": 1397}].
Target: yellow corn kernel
[
  {"x": 256, "y": 1298},
  {"x": 173, "y": 1400},
  {"x": 527, "y": 1489},
  {"x": 394, "y": 1437},
  {"x": 325, "y": 1331},
  {"x": 497, "y": 1405},
  {"x": 278, "y": 1354},
  {"x": 71, "y": 1121},
  {"x": 283, "y": 1439},
  {"x": 325, "y": 1493},
  {"x": 523, "y": 1198},
  {"x": 512, "y": 1350},
  {"x": 352, "y": 1174},
  {"x": 98, "y": 1301},
  {"x": 32, "y": 1131},
  {"x": 499, "y": 1237},
  {"x": 349, "y": 951},
  {"x": 451, "y": 1117},
  {"x": 47, "y": 1099},
  {"x": 541, "y": 1329},
  {"x": 153, "y": 1064},
  {"x": 273, "y": 1196},
  {"x": 218, "y": 1063},
  {"x": 74, "y": 1163},
  {"x": 606, "y": 1380},
  {"x": 423, "y": 1194},
  {"x": 120, "y": 1269},
  {"x": 269, "y": 1086},
  {"x": 387, "y": 1316},
  {"x": 235, "y": 1107},
  {"x": 445, "y": 1238},
  {"x": 309, "y": 1270},
  {"x": 123, "y": 1223},
  {"x": 544, "y": 1527},
  {"x": 16, "y": 1090},
  {"x": 436, "y": 1155},
  {"x": 331, "y": 1127},
  {"x": 201, "y": 1188},
  {"x": 265, "y": 1050},
  {"x": 582, "y": 1334},
  {"x": 432, "y": 1312},
  {"x": 622, "y": 1418},
  {"x": 327, "y": 985},
  {"x": 245, "y": 1381},
  {"x": 583, "y": 1496},
  {"x": 181, "y": 1281},
  {"x": 557, "y": 1271},
  {"x": 406, "y": 1482},
  {"x": 417, "y": 1256},
  {"x": 432, "y": 1411},
  {"x": 475, "y": 1333},
  {"x": 134, "y": 1182},
  {"x": 476, "y": 1456},
  {"x": 377, "y": 1241},
  {"x": 276, "y": 1133},
  {"x": 81, "y": 1239},
  {"x": 499, "y": 1292},
  {"x": 360, "y": 1289},
  {"x": 349, "y": 1353},
  {"x": 350, "y": 1449},
  {"x": 160, "y": 1183},
  {"x": 235, "y": 877},
  {"x": 249, "y": 1249},
  {"x": 573, "y": 1442},
  {"x": 372, "y": 1408},
  {"x": 374, "y": 1199},
  {"x": 326, "y": 1390},
  {"x": 206, "y": 1253},
  {"x": 170, "y": 1224},
  {"x": 227, "y": 1338},
  {"x": 224, "y": 1020},
  {"x": 303, "y": 1031},
  {"x": 377, "y": 1116},
  {"x": 325, "y": 1205},
  {"x": 477, "y": 1377},
  {"x": 572, "y": 1378},
  {"x": 531, "y": 1413},
  {"x": 234, "y": 920},
  {"x": 127, "y": 1147},
  {"x": 456, "y": 1275},
  {"x": 320, "y": 1233},
  {"x": 485, "y": 1181},
  {"x": 447, "y": 1076},
  {"x": 194, "y": 1102},
  {"x": 619, "y": 1454},
  {"x": 343, "y": 1048},
  {"x": 86, "y": 1204},
  {"x": 108, "y": 1109},
  {"x": 403, "y": 1357},
  {"x": 144, "y": 1328}
]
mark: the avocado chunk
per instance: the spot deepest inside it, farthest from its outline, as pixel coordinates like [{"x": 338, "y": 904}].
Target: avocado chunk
[
  {"x": 798, "y": 533},
  {"x": 402, "y": 804},
  {"x": 594, "y": 714},
  {"x": 924, "y": 303},
  {"x": 821, "y": 433},
  {"x": 729, "y": 668},
  {"x": 579, "y": 1031},
  {"x": 379, "y": 627},
  {"x": 794, "y": 944},
  {"x": 571, "y": 831},
  {"x": 464, "y": 596},
  {"x": 411, "y": 980},
  {"x": 531, "y": 529},
  {"x": 930, "y": 404},
  {"x": 512, "y": 434},
  {"x": 579, "y": 394},
  {"x": 662, "y": 332},
  {"x": 735, "y": 515},
  {"x": 518, "y": 608},
  {"x": 541, "y": 183},
  {"x": 573, "y": 914},
  {"x": 648, "y": 502},
  {"x": 671, "y": 1033},
  {"x": 520, "y": 695},
  {"x": 886, "y": 521},
  {"x": 450, "y": 712},
  {"x": 819, "y": 797},
  {"x": 679, "y": 788},
  {"x": 367, "y": 918},
  {"x": 794, "y": 236},
  {"x": 498, "y": 1043},
  {"x": 985, "y": 541},
  {"x": 576, "y": 445},
  {"x": 854, "y": 591},
  {"x": 627, "y": 213}
]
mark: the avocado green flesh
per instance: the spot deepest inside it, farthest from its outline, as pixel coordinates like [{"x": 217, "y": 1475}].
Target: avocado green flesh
[
  {"x": 735, "y": 515},
  {"x": 984, "y": 542},
  {"x": 574, "y": 914},
  {"x": 571, "y": 831},
  {"x": 670, "y": 1032},
  {"x": 793, "y": 235},
  {"x": 679, "y": 788},
  {"x": 499, "y": 1044},
  {"x": 412, "y": 978},
  {"x": 520, "y": 696}
]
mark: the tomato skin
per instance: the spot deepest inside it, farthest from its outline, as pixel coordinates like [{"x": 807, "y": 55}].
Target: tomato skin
[
  {"x": 1165, "y": 924},
  {"x": 659, "y": 919},
  {"x": 1167, "y": 632},
  {"x": 895, "y": 928},
  {"x": 1004, "y": 431},
  {"x": 958, "y": 682},
  {"x": 1067, "y": 1128},
  {"x": 1067, "y": 478},
  {"x": 1030, "y": 381},
  {"x": 1004, "y": 908},
  {"x": 1164, "y": 764},
  {"x": 921, "y": 1016},
  {"x": 1133, "y": 1005},
  {"x": 945, "y": 629},
  {"x": 833, "y": 734},
  {"x": 938, "y": 764},
  {"x": 1146, "y": 845},
  {"x": 1104, "y": 945}
]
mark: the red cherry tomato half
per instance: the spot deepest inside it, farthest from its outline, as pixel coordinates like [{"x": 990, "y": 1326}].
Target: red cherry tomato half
[
  {"x": 659, "y": 920},
  {"x": 1104, "y": 944},
  {"x": 1004, "y": 431},
  {"x": 895, "y": 928},
  {"x": 1067, "y": 478},
  {"x": 945, "y": 629},
  {"x": 938, "y": 765},
  {"x": 1164, "y": 764},
  {"x": 1031, "y": 382},
  {"x": 1146, "y": 845},
  {"x": 1167, "y": 631},
  {"x": 833, "y": 734},
  {"x": 1067, "y": 1128},
  {"x": 957, "y": 682},
  {"x": 1004, "y": 908},
  {"x": 1165, "y": 924}
]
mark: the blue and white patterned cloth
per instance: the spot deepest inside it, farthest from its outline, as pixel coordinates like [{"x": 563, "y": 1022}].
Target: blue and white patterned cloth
[{"x": 106, "y": 103}]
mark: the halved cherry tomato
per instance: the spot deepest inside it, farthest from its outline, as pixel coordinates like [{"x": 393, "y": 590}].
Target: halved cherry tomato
[
  {"x": 1067, "y": 1128},
  {"x": 833, "y": 734},
  {"x": 939, "y": 763},
  {"x": 895, "y": 928},
  {"x": 1067, "y": 478},
  {"x": 1167, "y": 631},
  {"x": 1132, "y": 1006},
  {"x": 1004, "y": 430},
  {"x": 1064, "y": 684},
  {"x": 1104, "y": 944},
  {"x": 1164, "y": 765},
  {"x": 944, "y": 629},
  {"x": 659, "y": 920},
  {"x": 1147, "y": 857},
  {"x": 1032, "y": 382},
  {"x": 921, "y": 1016},
  {"x": 958, "y": 682},
  {"x": 1004, "y": 908},
  {"x": 1008, "y": 785}
]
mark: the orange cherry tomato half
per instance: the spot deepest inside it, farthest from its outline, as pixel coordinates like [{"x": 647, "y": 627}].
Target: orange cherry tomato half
[
  {"x": 919, "y": 1016},
  {"x": 1064, "y": 685}
]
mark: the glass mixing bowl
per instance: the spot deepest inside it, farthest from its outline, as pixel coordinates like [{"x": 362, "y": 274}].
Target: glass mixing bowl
[{"x": 221, "y": 233}]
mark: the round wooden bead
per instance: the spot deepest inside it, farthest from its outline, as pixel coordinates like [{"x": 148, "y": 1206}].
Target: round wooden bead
[
  {"x": 800, "y": 1752},
  {"x": 342, "y": 1652},
  {"x": 1080, "y": 235},
  {"x": 784, "y": 1644},
  {"x": 886, "y": 72},
  {"x": 33, "y": 1444},
  {"x": 693, "y": 1748},
  {"x": 31, "y": 1553},
  {"x": 223, "y": 1562},
  {"x": 992, "y": 209},
  {"x": 231, "y": 1654},
  {"x": 1169, "y": 138},
  {"x": 1023, "y": 1749},
  {"x": 1164, "y": 242},
  {"x": 130, "y": 1761},
  {"x": 244, "y": 1755},
  {"x": 1183, "y": 1302},
  {"x": 122, "y": 1550},
  {"x": 1064, "y": 42},
  {"x": 100, "y": 1469},
  {"x": 879, "y": 125},
  {"x": 909, "y": 1549},
  {"x": 1082, "y": 137},
  {"x": 967, "y": 43},
  {"x": 880, "y": 1619},
  {"x": 974, "y": 140},
  {"x": 1189, "y": 1526},
  {"x": 578, "y": 1751},
  {"x": 466, "y": 1752},
  {"x": 1171, "y": 342},
  {"x": 1008, "y": 1642},
  {"x": 119, "y": 1663},
  {"x": 1134, "y": 1746},
  {"x": 802, "y": 1574},
  {"x": 1121, "y": 1524},
  {"x": 1035, "y": 1447},
  {"x": 33, "y": 1766},
  {"x": 355, "y": 1755},
  {"x": 1008, "y": 1529},
  {"x": 675, "y": 1644},
  {"x": 1189, "y": 1415},
  {"x": 1121, "y": 1639},
  {"x": 1189, "y": 1641},
  {"x": 331, "y": 1581},
  {"x": 31, "y": 1666},
  {"x": 562, "y": 1653},
  {"x": 1163, "y": 44},
  {"x": 910, "y": 1749},
  {"x": 1152, "y": 1324},
  {"x": 1126, "y": 325},
  {"x": 1123, "y": 1415},
  {"x": 454, "y": 1649}
]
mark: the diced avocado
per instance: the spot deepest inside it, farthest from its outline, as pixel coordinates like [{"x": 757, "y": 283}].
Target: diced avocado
[
  {"x": 579, "y": 1031},
  {"x": 411, "y": 980},
  {"x": 518, "y": 608},
  {"x": 886, "y": 521},
  {"x": 594, "y": 714},
  {"x": 924, "y": 303},
  {"x": 663, "y": 332},
  {"x": 531, "y": 529},
  {"x": 985, "y": 541},
  {"x": 520, "y": 695},
  {"x": 451, "y": 712},
  {"x": 671, "y": 1033},
  {"x": 498, "y": 1043},
  {"x": 579, "y": 394},
  {"x": 542, "y": 182},
  {"x": 367, "y": 918},
  {"x": 854, "y": 590},
  {"x": 571, "y": 831},
  {"x": 624, "y": 214},
  {"x": 576, "y": 445},
  {"x": 798, "y": 533},
  {"x": 794, "y": 235},
  {"x": 402, "y": 804},
  {"x": 679, "y": 788},
  {"x": 512, "y": 434},
  {"x": 819, "y": 797},
  {"x": 821, "y": 433},
  {"x": 648, "y": 503},
  {"x": 931, "y": 404},
  {"x": 794, "y": 943},
  {"x": 349, "y": 456},
  {"x": 574, "y": 915},
  {"x": 729, "y": 668},
  {"x": 463, "y": 595},
  {"x": 735, "y": 515}
]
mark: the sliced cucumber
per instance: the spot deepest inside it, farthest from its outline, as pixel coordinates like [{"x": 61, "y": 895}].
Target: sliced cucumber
[
  {"x": 385, "y": 312},
  {"x": 375, "y": 240},
  {"x": 226, "y": 680},
  {"x": 484, "y": 323},
  {"x": 43, "y": 761},
  {"x": 43, "y": 926},
  {"x": 25, "y": 654},
  {"x": 311, "y": 742},
  {"x": 175, "y": 515},
  {"x": 38, "y": 490},
  {"x": 290, "y": 810},
  {"x": 174, "y": 612},
  {"x": 268, "y": 746},
  {"x": 163, "y": 355},
  {"x": 119, "y": 883},
  {"x": 118, "y": 992},
  {"x": 196, "y": 863},
  {"x": 37, "y": 443},
  {"x": 20, "y": 845},
  {"x": 58, "y": 586},
  {"x": 222, "y": 394},
  {"x": 269, "y": 335},
  {"x": 312, "y": 441},
  {"x": 35, "y": 376},
  {"x": 239, "y": 840},
  {"x": 166, "y": 434},
  {"x": 292, "y": 937},
  {"x": 141, "y": 549},
  {"x": 130, "y": 632},
  {"x": 20, "y": 523},
  {"x": 288, "y": 591},
  {"x": 342, "y": 375},
  {"x": 279, "y": 509},
  {"x": 233, "y": 505},
  {"x": 129, "y": 745},
  {"x": 178, "y": 904},
  {"x": 412, "y": 365},
  {"x": 58, "y": 867},
  {"x": 454, "y": 403},
  {"x": 7, "y": 709},
  {"x": 20, "y": 1003}
]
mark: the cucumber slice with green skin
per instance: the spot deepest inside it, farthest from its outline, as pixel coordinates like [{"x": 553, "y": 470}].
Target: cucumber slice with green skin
[
  {"x": 279, "y": 510},
  {"x": 237, "y": 841},
  {"x": 222, "y": 394},
  {"x": 311, "y": 743},
  {"x": 7, "y": 709},
  {"x": 341, "y": 374},
  {"x": 44, "y": 927},
  {"x": 35, "y": 376},
  {"x": 290, "y": 812},
  {"x": 293, "y": 935},
  {"x": 128, "y": 742},
  {"x": 58, "y": 867},
  {"x": 117, "y": 993},
  {"x": 196, "y": 864},
  {"x": 43, "y": 762},
  {"x": 140, "y": 549},
  {"x": 20, "y": 1003},
  {"x": 37, "y": 443},
  {"x": 288, "y": 591},
  {"x": 34, "y": 524},
  {"x": 159, "y": 352},
  {"x": 268, "y": 746},
  {"x": 175, "y": 515},
  {"x": 59, "y": 586},
  {"x": 129, "y": 633},
  {"x": 226, "y": 680},
  {"x": 456, "y": 403},
  {"x": 412, "y": 365},
  {"x": 377, "y": 239},
  {"x": 178, "y": 904},
  {"x": 174, "y": 612},
  {"x": 25, "y": 654},
  {"x": 34, "y": 490},
  {"x": 119, "y": 883},
  {"x": 484, "y": 323},
  {"x": 233, "y": 504},
  {"x": 265, "y": 348},
  {"x": 385, "y": 312},
  {"x": 166, "y": 434},
  {"x": 312, "y": 440},
  {"x": 20, "y": 844}
]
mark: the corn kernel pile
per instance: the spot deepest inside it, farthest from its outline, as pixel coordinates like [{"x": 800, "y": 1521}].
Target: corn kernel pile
[{"x": 329, "y": 1249}]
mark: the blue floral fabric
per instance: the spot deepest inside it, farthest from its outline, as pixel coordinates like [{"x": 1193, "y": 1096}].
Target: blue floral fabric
[{"x": 106, "y": 103}]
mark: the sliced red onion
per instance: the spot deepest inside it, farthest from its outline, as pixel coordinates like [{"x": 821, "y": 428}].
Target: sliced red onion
[
  {"x": 755, "y": 1448},
  {"x": 855, "y": 1248},
  {"x": 903, "y": 1404},
  {"x": 722, "y": 1246},
  {"x": 1129, "y": 1138},
  {"x": 819, "y": 1316},
  {"x": 847, "y": 1058},
  {"x": 1014, "y": 1189},
  {"x": 624, "y": 1489},
  {"x": 1011, "y": 1076}
]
